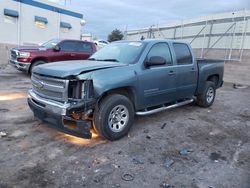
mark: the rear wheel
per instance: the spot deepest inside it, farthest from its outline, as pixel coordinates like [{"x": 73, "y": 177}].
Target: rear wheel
[
  {"x": 35, "y": 64},
  {"x": 206, "y": 99},
  {"x": 114, "y": 117}
]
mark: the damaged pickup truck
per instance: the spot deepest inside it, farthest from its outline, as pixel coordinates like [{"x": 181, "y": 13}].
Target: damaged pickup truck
[{"x": 122, "y": 79}]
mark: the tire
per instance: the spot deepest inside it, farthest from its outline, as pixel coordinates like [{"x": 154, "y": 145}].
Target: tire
[
  {"x": 114, "y": 117},
  {"x": 35, "y": 64},
  {"x": 206, "y": 99}
]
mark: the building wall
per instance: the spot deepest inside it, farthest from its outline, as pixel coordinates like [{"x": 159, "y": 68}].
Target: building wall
[
  {"x": 232, "y": 28},
  {"x": 24, "y": 31},
  {"x": 221, "y": 36}
]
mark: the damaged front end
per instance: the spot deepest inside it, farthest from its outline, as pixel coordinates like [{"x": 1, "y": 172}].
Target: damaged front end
[{"x": 67, "y": 104}]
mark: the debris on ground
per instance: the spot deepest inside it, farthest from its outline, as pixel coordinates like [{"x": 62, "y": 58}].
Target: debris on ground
[
  {"x": 151, "y": 161},
  {"x": 146, "y": 131},
  {"x": 100, "y": 160},
  {"x": 163, "y": 125},
  {"x": 127, "y": 177},
  {"x": 239, "y": 86},
  {"x": 185, "y": 151},
  {"x": 4, "y": 110},
  {"x": 137, "y": 160},
  {"x": 168, "y": 162},
  {"x": 116, "y": 185},
  {"x": 216, "y": 156},
  {"x": 148, "y": 137},
  {"x": 3, "y": 134},
  {"x": 166, "y": 185},
  {"x": 116, "y": 166}
]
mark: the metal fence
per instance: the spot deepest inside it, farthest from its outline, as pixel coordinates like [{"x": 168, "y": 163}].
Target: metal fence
[{"x": 223, "y": 36}]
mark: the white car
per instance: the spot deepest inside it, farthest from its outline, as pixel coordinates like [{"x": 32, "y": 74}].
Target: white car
[{"x": 101, "y": 43}]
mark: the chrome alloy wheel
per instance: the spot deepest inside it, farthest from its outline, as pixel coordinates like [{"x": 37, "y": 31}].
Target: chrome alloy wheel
[
  {"x": 118, "y": 118},
  {"x": 210, "y": 95}
]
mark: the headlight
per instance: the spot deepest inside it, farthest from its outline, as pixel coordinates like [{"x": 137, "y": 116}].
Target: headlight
[{"x": 24, "y": 54}]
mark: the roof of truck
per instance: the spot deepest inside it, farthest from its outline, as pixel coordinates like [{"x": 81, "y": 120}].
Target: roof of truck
[{"x": 154, "y": 40}]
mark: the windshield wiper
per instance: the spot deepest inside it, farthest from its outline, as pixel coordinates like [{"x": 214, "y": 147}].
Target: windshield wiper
[
  {"x": 92, "y": 59},
  {"x": 114, "y": 60}
]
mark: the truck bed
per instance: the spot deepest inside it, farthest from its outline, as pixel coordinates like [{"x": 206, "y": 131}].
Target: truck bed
[{"x": 201, "y": 60}]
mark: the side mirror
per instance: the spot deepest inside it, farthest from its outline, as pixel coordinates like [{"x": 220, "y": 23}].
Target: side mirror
[
  {"x": 155, "y": 60},
  {"x": 56, "y": 48}
]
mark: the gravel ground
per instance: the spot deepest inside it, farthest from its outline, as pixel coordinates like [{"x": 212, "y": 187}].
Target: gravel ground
[{"x": 184, "y": 147}]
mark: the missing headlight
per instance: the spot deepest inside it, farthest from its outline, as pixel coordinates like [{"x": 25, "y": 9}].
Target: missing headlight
[{"x": 87, "y": 89}]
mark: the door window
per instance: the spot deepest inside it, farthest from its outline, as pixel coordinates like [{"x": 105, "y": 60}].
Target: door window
[
  {"x": 68, "y": 46},
  {"x": 162, "y": 50},
  {"x": 183, "y": 54},
  {"x": 84, "y": 47}
]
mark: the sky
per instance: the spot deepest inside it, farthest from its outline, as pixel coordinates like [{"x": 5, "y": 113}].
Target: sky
[{"x": 103, "y": 16}]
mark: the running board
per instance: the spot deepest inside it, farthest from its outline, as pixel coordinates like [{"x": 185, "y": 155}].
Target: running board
[{"x": 144, "y": 113}]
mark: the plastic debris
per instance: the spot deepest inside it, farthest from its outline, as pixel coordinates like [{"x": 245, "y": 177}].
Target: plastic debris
[
  {"x": 239, "y": 86},
  {"x": 166, "y": 185},
  {"x": 148, "y": 137},
  {"x": 163, "y": 126},
  {"x": 168, "y": 163},
  {"x": 185, "y": 151},
  {"x": 137, "y": 160},
  {"x": 2, "y": 134},
  {"x": 216, "y": 156}
]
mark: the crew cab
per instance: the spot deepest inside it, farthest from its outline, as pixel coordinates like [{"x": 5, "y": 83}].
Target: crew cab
[
  {"x": 121, "y": 80},
  {"x": 27, "y": 57}
]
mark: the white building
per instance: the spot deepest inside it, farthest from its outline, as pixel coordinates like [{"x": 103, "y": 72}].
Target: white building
[{"x": 32, "y": 22}]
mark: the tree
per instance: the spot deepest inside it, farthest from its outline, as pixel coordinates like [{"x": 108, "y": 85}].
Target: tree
[{"x": 115, "y": 35}]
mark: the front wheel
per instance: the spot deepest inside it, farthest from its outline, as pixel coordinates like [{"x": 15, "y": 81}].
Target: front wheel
[
  {"x": 114, "y": 117},
  {"x": 207, "y": 97}
]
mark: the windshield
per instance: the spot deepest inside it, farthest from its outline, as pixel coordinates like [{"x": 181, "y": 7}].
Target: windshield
[
  {"x": 51, "y": 43},
  {"x": 123, "y": 52}
]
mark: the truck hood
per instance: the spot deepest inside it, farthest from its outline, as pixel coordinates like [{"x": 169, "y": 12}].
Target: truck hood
[
  {"x": 64, "y": 69},
  {"x": 30, "y": 48}
]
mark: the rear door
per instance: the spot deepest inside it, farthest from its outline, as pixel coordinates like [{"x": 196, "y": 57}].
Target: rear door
[
  {"x": 187, "y": 73},
  {"x": 84, "y": 50},
  {"x": 158, "y": 83}
]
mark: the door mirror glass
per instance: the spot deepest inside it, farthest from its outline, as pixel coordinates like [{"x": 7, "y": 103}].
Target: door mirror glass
[{"x": 155, "y": 60}]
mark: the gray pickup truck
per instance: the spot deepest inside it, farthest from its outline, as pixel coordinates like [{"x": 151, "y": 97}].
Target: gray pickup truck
[{"x": 122, "y": 79}]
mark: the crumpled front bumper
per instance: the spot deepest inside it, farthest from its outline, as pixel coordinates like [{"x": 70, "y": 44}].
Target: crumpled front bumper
[{"x": 55, "y": 114}]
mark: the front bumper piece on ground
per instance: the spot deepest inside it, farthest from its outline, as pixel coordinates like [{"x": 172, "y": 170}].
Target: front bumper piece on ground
[
  {"x": 55, "y": 114},
  {"x": 20, "y": 65}
]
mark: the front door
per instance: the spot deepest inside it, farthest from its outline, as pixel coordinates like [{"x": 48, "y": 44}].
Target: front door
[
  {"x": 67, "y": 51},
  {"x": 158, "y": 82}
]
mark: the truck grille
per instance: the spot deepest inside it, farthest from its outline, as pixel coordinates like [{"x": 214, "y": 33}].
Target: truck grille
[
  {"x": 13, "y": 54},
  {"x": 50, "y": 88}
]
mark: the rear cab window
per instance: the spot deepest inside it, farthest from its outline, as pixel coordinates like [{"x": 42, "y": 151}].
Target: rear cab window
[{"x": 183, "y": 54}]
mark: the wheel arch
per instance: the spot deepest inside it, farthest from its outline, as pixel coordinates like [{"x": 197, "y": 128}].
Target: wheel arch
[
  {"x": 214, "y": 78},
  {"x": 38, "y": 59},
  {"x": 127, "y": 91}
]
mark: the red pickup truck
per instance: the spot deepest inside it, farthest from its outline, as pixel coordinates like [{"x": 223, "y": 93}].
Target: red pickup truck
[{"x": 26, "y": 58}]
